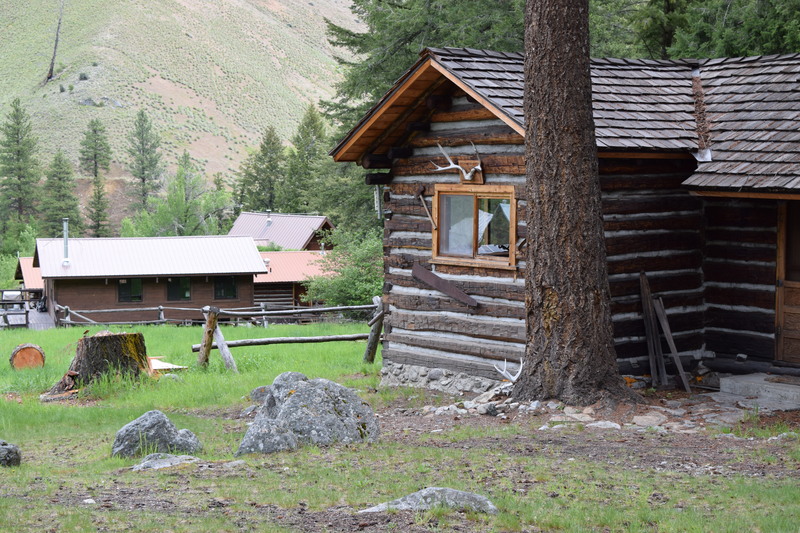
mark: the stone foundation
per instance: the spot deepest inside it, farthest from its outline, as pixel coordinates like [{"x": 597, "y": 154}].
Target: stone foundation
[{"x": 398, "y": 375}]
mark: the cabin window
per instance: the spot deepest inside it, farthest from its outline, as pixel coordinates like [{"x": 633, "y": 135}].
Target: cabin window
[
  {"x": 129, "y": 290},
  {"x": 225, "y": 287},
  {"x": 179, "y": 289},
  {"x": 475, "y": 224}
]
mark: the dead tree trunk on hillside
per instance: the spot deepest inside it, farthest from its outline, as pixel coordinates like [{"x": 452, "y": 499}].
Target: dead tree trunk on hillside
[
  {"x": 50, "y": 72},
  {"x": 124, "y": 353},
  {"x": 570, "y": 346}
]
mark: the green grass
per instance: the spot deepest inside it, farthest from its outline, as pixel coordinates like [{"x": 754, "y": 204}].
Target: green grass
[{"x": 66, "y": 457}]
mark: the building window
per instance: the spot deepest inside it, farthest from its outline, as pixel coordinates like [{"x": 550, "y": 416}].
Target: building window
[
  {"x": 179, "y": 289},
  {"x": 129, "y": 290},
  {"x": 225, "y": 287},
  {"x": 475, "y": 223}
]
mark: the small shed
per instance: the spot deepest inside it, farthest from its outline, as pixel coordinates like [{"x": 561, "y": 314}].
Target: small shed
[
  {"x": 124, "y": 275},
  {"x": 286, "y": 231},
  {"x": 699, "y": 165},
  {"x": 280, "y": 287}
]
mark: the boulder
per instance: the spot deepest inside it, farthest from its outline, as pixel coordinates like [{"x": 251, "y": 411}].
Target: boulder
[
  {"x": 298, "y": 411},
  {"x": 437, "y": 496},
  {"x": 153, "y": 432},
  {"x": 9, "y": 454}
]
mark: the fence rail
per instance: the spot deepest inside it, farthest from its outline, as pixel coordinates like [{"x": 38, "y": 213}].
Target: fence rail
[{"x": 250, "y": 314}]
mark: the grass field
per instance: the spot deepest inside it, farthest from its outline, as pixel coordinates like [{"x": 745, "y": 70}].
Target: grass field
[{"x": 551, "y": 483}]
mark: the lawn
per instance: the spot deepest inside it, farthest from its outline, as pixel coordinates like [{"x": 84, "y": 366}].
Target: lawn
[{"x": 574, "y": 480}]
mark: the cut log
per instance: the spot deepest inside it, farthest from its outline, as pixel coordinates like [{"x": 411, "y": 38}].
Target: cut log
[
  {"x": 124, "y": 353},
  {"x": 27, "y": 356}
]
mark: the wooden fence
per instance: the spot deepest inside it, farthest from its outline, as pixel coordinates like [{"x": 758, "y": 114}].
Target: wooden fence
[{"x": 257, "y": 315}]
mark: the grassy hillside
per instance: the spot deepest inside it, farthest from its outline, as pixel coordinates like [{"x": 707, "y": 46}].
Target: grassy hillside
[{"x": 212, "y": 75}]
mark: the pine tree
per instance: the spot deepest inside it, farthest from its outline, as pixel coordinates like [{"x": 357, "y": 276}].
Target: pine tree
[
  {"x": 260, "y": 173},
  {"x": 304, "y": 169},
  {"x": 59, "y": 199},
  {"x": 94, "y": 156},
  {"x": 145, "y": 164},
  {"x": 19, "y": 169}
]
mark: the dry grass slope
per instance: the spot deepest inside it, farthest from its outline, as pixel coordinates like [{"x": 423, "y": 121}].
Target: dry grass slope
[{"x": 212, "y": 75}]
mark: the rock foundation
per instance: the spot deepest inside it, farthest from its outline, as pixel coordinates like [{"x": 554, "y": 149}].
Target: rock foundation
[{"x": 456, "y": 383}]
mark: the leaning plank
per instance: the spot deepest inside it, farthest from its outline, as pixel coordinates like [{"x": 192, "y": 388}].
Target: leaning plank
[
  {"x": 224, "y": 351},
  {"x": 375, "y": 332},
  {"x": 429, "y": 278},
  {"x": 288, "y": 340},
  {"x": 657, "y": 370},
  {"x": 658, "y": 305},
  {"x": 27, "y": 356}
]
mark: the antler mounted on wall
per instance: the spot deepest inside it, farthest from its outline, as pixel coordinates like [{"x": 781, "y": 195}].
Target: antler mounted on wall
[{"x": 466, "y": 176}]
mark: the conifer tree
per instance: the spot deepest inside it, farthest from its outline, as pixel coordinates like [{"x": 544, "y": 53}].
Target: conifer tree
[
  {"x": 305, "y": 162},
  {"x": 145, "y": 163},
  {"x": 19, "y": 168},
  {"x": 60, "y": 199},
  {"x": 95, "y": 156},
  {"x": 260, "y": 173}
]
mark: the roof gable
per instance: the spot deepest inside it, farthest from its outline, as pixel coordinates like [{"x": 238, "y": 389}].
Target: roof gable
[
  {"x": 290, "y": 267},
  {"x": 148, "y": 257},
  {"x": 289, "y": 231}
]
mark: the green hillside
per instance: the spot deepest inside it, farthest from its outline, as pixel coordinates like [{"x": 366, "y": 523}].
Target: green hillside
[{"x": 211, "y": 74}]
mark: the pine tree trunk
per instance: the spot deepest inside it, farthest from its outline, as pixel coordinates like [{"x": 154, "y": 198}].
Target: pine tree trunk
[
  {"x": 570, "y": 351},
  {"x": 124, "y": 353}
]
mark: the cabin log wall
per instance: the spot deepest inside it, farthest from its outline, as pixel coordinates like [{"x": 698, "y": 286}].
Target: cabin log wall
[
  {"x": 650, "y": 223},
  {"x": 739, "y": 275}
]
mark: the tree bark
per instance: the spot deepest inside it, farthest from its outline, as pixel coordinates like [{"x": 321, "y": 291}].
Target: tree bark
[
  {"x": 123, "y": 352},
  {"x": 570, "y": 347}
]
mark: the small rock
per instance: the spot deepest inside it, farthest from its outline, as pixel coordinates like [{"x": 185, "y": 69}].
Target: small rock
[
  {"x": 604, "y": 424},
  {"x": 487, "y": 409},
  {"x": 89, "y": 501},
  {"x": 437, "y": 496},
  {"x": 553, "y": 405},
  {"x": 9, "y": 454},
  {"x": 157, "y": 461},
  {"x": 650, "y": 419}
]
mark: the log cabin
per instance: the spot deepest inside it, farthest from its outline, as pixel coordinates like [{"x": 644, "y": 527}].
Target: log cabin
[
  {"x": 699, "y": 166},
  {"x": 128, "y": 274}
]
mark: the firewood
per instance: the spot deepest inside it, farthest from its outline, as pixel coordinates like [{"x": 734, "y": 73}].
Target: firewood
[{"x": 27, "y": 356}]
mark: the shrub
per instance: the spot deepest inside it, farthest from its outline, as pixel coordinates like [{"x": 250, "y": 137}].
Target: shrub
[
  {"x": 83, "y": 76},
  {"x": 61, "y": 88}
]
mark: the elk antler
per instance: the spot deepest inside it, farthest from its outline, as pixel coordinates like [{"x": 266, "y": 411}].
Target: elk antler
[
  {"x": 467, "y": 175},
  {"x": 506, "y": 374}
]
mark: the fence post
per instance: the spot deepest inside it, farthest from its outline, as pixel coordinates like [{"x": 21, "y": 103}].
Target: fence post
[
  {"x": 375, "y": 332},
  {"x": 211, "y": 314},
  {"x": 66, "y": 314},
  {"x": 161, "y": 313},
  {"x": 264, "y": 321}
]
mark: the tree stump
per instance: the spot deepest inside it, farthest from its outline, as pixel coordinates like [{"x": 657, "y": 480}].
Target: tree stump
[
  {"x": 105, "y": 352},
  {"x": 27, "y": 356}
]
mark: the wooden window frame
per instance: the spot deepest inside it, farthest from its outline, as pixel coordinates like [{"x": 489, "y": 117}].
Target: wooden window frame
[
  {"x": 176, "y": 280},
  {"x": 131, "y": 296},
  {"x": 476, "y": 191},
  {"x": 224, "y": 279}
]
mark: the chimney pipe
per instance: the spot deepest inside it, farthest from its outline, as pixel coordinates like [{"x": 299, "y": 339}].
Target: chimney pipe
[{"x": 65, "y": 222}]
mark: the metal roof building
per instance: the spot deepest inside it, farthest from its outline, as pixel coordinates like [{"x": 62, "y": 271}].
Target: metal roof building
[{"x": 290, "y": 232}]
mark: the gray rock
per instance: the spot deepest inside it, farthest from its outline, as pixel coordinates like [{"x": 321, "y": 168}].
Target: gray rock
[
  {"x": 435, "y": 374},
  {"x": 9, "y": 454},
  {"x": 322, "y": 412},
  {"x": 437, "y": 496},
  {"x": 259, "y": 394},
  {"x": 157, "y": 461},
  {"x": 153, "y": 432},
  {"x": 604, "y": 424},
  {"x": 650, "y": 419},
  {"x": 298, "y": 411},
  {"x": 267, "y": 435}
]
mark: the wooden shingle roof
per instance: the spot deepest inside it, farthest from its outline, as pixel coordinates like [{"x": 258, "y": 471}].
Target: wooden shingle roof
[
  {"x": 753, "y": 113},
  {"x": 748, "y": 109}
]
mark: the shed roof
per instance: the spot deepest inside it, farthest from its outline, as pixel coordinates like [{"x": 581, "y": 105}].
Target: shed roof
[
  {"x": 291, "y": 232},
  {"x": 290, "y": 267},
  {"x": 148, "y": 257},
  {"x": 751, "y": 107},
  {"x": 31, "y": 276}
]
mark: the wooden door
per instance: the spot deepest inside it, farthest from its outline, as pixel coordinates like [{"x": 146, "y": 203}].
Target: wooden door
[{"x": 788, "y": 283}]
